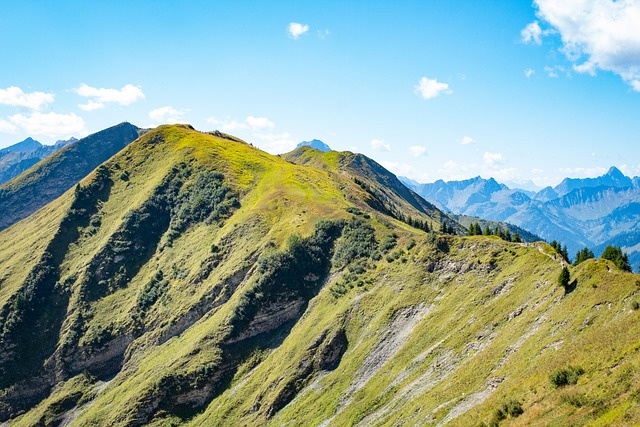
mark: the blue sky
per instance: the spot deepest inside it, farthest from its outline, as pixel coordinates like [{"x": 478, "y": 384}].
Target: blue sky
[{"x": 524, "y": 92}]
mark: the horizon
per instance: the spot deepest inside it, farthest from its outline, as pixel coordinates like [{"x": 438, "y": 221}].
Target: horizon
[{"x": 430, "y": 90}]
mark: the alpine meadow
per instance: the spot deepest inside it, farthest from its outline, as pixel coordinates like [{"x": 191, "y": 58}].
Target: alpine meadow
[{"x": 326, "y": 213}]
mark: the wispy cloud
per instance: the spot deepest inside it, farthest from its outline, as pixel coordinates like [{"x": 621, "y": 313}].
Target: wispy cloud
[
  {"x": 258, "y": 123},
  {"x": 251, "y": 122},
  {"x": 296, "y": 29},
  {"x": 532, "y": 33},
  {"x": 492, "y": 159},
  {"x": 167, "y": 115},
  {"x": 431, "y": 88},
  {"x": 417, "y": 150},
  {"x": 275, "y": 143},
  {"x": 16, "y": 97},
  {"x": 598, "y": 35},
  {"x": 465, "y": 140},
  {"x": 6, "y": 127},
  {"x": 529, "y": 72},
  {"x": 379, "y": 144},
  {"x": 50, "y": 124},
  {"x": 99, "y": 97}
]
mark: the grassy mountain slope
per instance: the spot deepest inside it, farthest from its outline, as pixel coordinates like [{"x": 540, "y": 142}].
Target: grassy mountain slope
[
  {"x": 386, "y": 192},
  {"x": 52, "y": 176},
  {"x": 196, "y": 280}
]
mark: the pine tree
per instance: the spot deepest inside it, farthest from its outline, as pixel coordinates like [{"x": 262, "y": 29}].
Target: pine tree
[
  {"x": 516, "y": 237},
  {"x": 564, "y": 278}
]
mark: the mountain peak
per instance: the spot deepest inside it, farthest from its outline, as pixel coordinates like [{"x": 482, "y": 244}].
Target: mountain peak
[
  {"x": 26, "y": 145},
  {"x": 314, "y": 143},
  {"x": 614, "y": 172}
]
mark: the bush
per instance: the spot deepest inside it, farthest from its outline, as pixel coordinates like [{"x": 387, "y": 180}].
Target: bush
[
  {"x": 564, "y": 377},
  {"x": 564, "y": 277},
  {"x": 358, "y": 241}
]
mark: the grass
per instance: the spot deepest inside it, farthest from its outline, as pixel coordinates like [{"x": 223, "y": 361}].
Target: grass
[{"x": 453, "y": 329}]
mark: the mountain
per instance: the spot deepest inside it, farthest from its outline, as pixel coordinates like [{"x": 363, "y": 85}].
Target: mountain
[
  {"x": 26, "y": 145},
  {"x": 49, "y": 178},
  {"x": 613, "y": 178},
  {"x": 19, "y": 157},
  {"x": 590, "y": 212},
  {"x": 195, "y": 280},
  {"x": 314, "y": 143}
]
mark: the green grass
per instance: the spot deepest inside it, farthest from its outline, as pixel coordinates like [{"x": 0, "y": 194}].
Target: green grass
[{"x": 452, "y": 329}]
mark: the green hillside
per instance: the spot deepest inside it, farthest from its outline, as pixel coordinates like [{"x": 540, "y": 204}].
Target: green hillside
[
  {"x": 193, "y": 279},
  {"x": 49, "y": 178}
]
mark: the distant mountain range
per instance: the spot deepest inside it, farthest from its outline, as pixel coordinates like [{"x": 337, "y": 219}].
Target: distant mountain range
[
  {"x": 51, "y": 177},
  {"x": 314, "y": 143},
  {"x": 588, "y": 212},
  {"x": 19, "y": 157}
]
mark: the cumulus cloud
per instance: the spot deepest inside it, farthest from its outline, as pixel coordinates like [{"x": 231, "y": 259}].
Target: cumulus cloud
[
  {"x": 275, "y": 143},
  {"x": 15, "y": 97},
  {"x": 598, "y": 35},
  {"x": 296, "y": 30},
  {"x": 529, "y": 72},
  {"x": 417, "y": 150},
  {"x": 430, "y": 88},
  {"x": 492, "y": 159},
  {"x": 258, "y": 123},
  {"x": 379, "y": 144},
  {"x": 167, "y": 115},
  {"x": 50, "y": 124},
  {"x": 465, "y": 140},
  {"x": 127, "y": 95},
  {"x": 6, "y": 127},
  {"x": 532, "y": 33}
]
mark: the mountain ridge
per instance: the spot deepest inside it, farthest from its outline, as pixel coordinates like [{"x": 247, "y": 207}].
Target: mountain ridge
[
  {"x": 193, "y": 279},
  {"x": 578, "y": 212}
]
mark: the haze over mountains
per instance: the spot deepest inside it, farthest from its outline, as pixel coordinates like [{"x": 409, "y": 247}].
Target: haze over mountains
[
  {"x": 193, "y": 279},
  {"x": 588, "y": 212}
]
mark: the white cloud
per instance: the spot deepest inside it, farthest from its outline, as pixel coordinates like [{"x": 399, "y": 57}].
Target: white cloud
[
  {"x": 323, "y": 34},
  {"x": 492, "y": 159},
  {"x": 258, "y": 123},
  {"x": 417, "y": 150},
  {"x": 296, "y": 30},
  {"x": 276, "y": 143},
  {"x": 255, "y": 123},
  {"x": 15, "y": 97},
  {"x": 532, "y": 33},
  {"x": 50, "y": 124},
  {"x": 379, "y": 144},
  {"x": 101, "y": 96},
  {"x": 6, "y": 127},
  {"x": 598, "y": 34},
  {"x": 232, "y": 126},
  {"x": 529, "y": 72},
  {"x": 465, "y": 140},
  {"x": 430, "y": 88},
  {"x": 166, "y": 114},
  {"x": 91, "y": 105},
  {"x": 404, "y": 169}
]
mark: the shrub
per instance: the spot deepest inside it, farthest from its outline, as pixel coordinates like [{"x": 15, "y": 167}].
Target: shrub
[
  {"x": 564, "y": 377},
  {"x": 564, "y": 277},
  {"x": 358, "y": 241}
]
